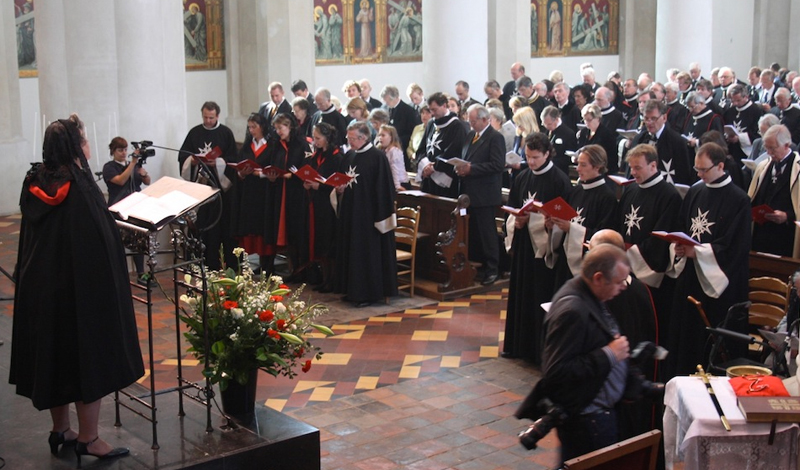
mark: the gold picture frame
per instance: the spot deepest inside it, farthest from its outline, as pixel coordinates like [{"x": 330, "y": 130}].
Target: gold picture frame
[
  {"x": 585, "y": 27},
  {"x": 203, "y": 34}
]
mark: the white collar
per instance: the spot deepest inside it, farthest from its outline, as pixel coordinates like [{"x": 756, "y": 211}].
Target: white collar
[
  {"x": 607, "y": 110},
  {"x": 702, "y": 115},
  {"x": 599, "y": 181},
  {"x": 211, "y": 128},
  {"x": 364, "y": 148},
  {"x": 544, "y": 170},
  {"x": 722, "y": 183},
  {"x": 259, "y": 143},
  {"x": 749, "y": 102},
  {"x": 451, "y": 120},
  {"x": 329, "y": 110},
  {"x": 649, "y": 184},
  {"x": 672, "y": 102}
]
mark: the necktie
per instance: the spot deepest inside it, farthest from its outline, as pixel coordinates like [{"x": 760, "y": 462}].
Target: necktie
[
  {"x": 476, "y": 137},
  {"x": 611, "y": 323},
  {"x": 274, "y": 109}
]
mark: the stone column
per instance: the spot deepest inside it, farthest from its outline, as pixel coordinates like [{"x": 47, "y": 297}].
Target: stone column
[
  {"x": 509, "y": 37},
  {"x": 16, "y": 154},
  {"x": 771, "y": 24},
  {"x": 637, "y": 43},
  {"x": 266, "y": 41}
]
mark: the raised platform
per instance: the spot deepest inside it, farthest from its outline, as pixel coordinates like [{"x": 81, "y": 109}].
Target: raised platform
[{"x": 274, "y": 440}]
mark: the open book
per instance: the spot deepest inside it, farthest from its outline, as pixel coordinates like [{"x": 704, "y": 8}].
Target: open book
[
  {"x": 679, "y": 238},
  {"x": 161, "y": 202},
  {"x": 759, "y": 213},
  {"x": 209, "y": 157},
  {"x": 744, "y": 138},
  {"x": 307, "y": 174},
  {"x": 455, "y": 161},
  {"x": 530, "y": 206},
  {"x": 628, "y": 134},
  {"x": 620, "y": 180},
  {"x": 512, "y": 157},
  {"x": 336, "y": 179}
]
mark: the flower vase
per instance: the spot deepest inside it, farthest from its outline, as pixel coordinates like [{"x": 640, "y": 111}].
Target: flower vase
[{"x": 239, "y": 401}]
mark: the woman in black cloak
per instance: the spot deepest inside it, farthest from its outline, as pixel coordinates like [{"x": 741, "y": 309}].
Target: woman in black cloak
[{"x": 74, "y": 337}]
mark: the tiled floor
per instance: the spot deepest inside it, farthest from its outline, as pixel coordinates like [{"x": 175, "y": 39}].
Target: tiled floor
[{"x": 419, "y": 388}]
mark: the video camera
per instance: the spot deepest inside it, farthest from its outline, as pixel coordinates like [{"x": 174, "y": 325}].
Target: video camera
[
  {"x": 144, "y": 151},
  {"x": 554, "y": 415}
]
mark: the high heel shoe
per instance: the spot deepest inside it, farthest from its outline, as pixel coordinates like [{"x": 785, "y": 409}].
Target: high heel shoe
[
  {"x": 57, "y": 438},
  {"x": 82, "y": 448}
]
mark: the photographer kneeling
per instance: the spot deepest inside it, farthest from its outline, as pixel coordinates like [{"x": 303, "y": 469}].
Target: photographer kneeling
[{"x": 585, "y": 365}]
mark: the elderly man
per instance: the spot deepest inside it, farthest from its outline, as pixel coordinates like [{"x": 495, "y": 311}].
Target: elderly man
[
  {"x": 676, "y": 111},
  {"x": 788, "y": 112},
  {"x": 510, "y": 88},
  {"x": 570, "y": 113},
  {"x": 585, "y": 369},
  {"x": 726, "y": 79},
  {"x": 775, "y": 185},
  {"x": 526, "y": 90},
  {"x": 703, "y": 119},
  {"x": 587, "y": 75},
  {"x": 766, "y": 95},
  {"x": 462, "y": 92},
  {"x": 611, "y": 116},
  {"x": 481, "y": 180},
  {"x": 401, "y": 115},
  {"x": 366, "y": 90},
  {"x": 493, "y": 91},
  {"x": 328, "y": 114},
  {"x": 561, "y": 136},
  {"x": 743, "y": 115},
  {"x": 694, "y": 72}
]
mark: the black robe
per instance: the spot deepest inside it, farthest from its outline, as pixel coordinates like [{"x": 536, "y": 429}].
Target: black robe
[
  {"x": 200, "y": 141},
  {"x": 744, "y": 119},
  {"x": 444, "y": 138},
  {"x": 673, "y": 155},
  {"x": 770, "y": 237},
  {"x": 250, "y": 197},
  {"x": 335, "y": 119},
  {"x": 563, "y": 138},
  {"x": 642, "y": 209},
  {"x": 612, "y": 119},
  {"x": 570, "y": 115},
  {"x": 716, "y": 215},
  {"x": 677, "y": 115},
  {"x": 322, "y": 230},
  {"x": 596, "y": 206},
  {"x": 74, "y": 336},
  {"x": 790, "y": 117},
  {"x": 704, "y": 122},
  {"x": 287, "y": 211},
  {"x": 606, "y": 138},
  {"x": 531, "y": 282},
  {"x": 366, "y": 261}
]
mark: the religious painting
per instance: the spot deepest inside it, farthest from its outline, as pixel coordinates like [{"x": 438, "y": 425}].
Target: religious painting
[
  {"x": 367, "y": 31},
  {"x": 404, "y": 30},
  {"x": 555, "y": 27},
  {"x": 534, "y": 28},
  {"x": 594, "y": 27},
  {"x": 203, "y": 35},
  {"x": 329, "y": 31},
  {"x": 26, "y": 46}
]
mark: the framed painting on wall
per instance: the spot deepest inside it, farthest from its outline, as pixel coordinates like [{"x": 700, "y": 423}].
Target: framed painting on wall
[
  {"x": 329, "y": 32},
  {"x": 594, "y": 27},
  {"x": 404, "y": 31},
  {"x": 26, "y": 46},
  {"x": 203, "y": 35},
  {"x": 535, "y": 39}
]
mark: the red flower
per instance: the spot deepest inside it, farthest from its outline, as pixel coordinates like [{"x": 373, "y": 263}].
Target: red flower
[
  {"x": 273, "y": 334},
  {"x": 229, "y": 304},
  {"x": 277, "y": 298},
  {"x": 266, "y": 315},
  {"x": 283, "y": 286},
  {"x": 307, "y": 366},
  {"x": 300, "y": 352},
  {"x": 281, "y": 324}
]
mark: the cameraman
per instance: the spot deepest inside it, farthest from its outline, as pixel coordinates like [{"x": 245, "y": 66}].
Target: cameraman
[
  {"x": 585, "y": 367},
  {"x": 122, "y": 179}
]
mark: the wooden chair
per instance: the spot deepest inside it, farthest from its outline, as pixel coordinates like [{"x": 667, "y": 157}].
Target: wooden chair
[
  {"x": 769, "y": 297},
  {"x": 406, "y": 239},
  {"x": 637, "y": 453}
]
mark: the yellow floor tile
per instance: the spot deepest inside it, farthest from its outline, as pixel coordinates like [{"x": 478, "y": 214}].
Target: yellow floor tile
[
  {"x": 367, "y": 383},
  {"x": 420, "y": 311},
  {"x": 489, "y": 351},
  {"x": 425, "y": 335},
  {"x": 185, "y": 362},
  {"x": 146, "y": 376},
  {"x": 487, "y": 297},
  {"x": 303, "y": 385},
  {"x": 502, "y": 314},
  {"x": 275, "y": 404},
  {"x": 334, "y": 359},
  {"x": 321, "y": 394},
  {"x": 350, "y": 335},
  {"x": 501, "y": 336},
  {"x": 6, "y": 224},
  {"x": 14, "y": 216},
  {"x": 446, "y": 314},
  {"x": 386, "y": 319},
  {"x": 450, "y": 361},
  {"x": 415, "y": 358},
  {"x": 348, "y": 327},
  {"x": 505, "y": 290},
  {"x": 410, "y": 372},
  {"x": 454, "y": 304}
]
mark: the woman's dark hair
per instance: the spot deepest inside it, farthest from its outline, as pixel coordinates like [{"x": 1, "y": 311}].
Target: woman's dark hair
[
  {"x": 287, "y": 119},
  {"x": 261, "y": 121},
  {"x": 327, "y": 131},
  {"x": 62, "y": 142},
  {"x": 539, "y": 141},
  {"x": 117, "y": 143}
]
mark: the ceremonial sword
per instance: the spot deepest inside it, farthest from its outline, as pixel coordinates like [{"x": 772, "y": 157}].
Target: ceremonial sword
[{"x": 704, "y": 377}]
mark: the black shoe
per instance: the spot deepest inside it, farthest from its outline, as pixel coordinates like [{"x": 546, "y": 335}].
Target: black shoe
[
  {"x": 363, "y": 304},
  {"x": 82, "y": 448},
  {"x": 489, "y": 279},
  {"x": 507, "y": 355},
  {"x": 57, "y": 439}
]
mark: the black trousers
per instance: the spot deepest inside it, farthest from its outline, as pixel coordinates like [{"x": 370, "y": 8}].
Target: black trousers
[
  {"x": 483, "y": 244},
  {"x": 586, "y": 433}
]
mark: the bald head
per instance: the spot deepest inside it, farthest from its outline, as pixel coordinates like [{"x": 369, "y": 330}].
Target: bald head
[
  {"x": 517, "y": 70},
  {"x": 606, "y": 236}
]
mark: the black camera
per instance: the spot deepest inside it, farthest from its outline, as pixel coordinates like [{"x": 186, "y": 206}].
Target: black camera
[
  {"x": 144, "y": 151},
  {"x": 552, "y": 417}
]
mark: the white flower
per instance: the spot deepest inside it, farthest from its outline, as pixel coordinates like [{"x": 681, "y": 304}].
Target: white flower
[
  {"x": 190, "y": 301},
  {"x": 237, "y": 313},
  {"x": 279, "y": 307},
  {"x": 299, "y": 305},
  {"x": 187, "y": 278},
  {"x": 238, "y": 251},
  {"x": 233, "y": 336},
  {"x": 276, "y": 279}
]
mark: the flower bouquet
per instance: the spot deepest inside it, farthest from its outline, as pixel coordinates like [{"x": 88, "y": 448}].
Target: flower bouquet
[{"x": 251, "y": 324}]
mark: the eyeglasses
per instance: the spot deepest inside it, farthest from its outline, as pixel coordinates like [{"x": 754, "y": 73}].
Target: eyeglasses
[
  {"x": 651, "y": 119},
  {"x": 703, "y": 170}
]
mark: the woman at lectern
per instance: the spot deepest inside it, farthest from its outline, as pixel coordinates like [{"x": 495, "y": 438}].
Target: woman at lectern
[{"x": 74, "y": 337}]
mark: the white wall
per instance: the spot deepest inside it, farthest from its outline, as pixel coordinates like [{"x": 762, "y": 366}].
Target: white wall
[
  {"x": 682, "y": 49},
  {"x": 732, "y": 33},
  {"x": 202, "y": 86},
  {"x": 29, "y": 101}
]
